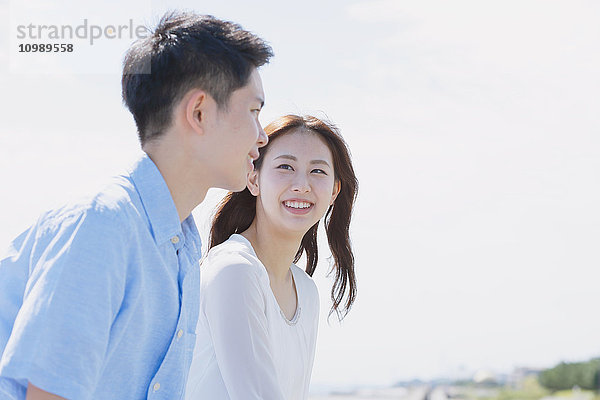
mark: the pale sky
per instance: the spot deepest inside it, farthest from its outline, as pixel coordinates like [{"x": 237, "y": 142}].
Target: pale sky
[{"x": 475, "y": 133}]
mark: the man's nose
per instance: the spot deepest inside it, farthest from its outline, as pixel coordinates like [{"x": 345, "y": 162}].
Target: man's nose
[{"x": 263, "y": 139}]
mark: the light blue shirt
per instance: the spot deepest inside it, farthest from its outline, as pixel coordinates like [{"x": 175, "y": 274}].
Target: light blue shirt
[{"x": 99, "y": 300}]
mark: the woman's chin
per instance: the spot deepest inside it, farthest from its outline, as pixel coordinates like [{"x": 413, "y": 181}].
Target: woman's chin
[{"x": 298, "y": 228}]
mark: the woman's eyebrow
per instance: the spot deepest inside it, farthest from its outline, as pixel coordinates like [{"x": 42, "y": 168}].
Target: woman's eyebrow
[
  {"x": 293, "y": 158},
  {"x": 323, "y": 162}
]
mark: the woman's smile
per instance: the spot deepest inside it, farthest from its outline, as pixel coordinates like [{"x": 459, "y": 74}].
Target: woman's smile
[{"x": 297, "y": 206}]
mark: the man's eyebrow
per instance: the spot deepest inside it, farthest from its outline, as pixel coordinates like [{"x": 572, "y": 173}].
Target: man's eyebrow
[{"x": 293, "y": 158}]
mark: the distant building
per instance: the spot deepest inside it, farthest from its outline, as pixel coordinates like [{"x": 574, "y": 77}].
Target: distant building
[
  {"x": 485, "y": 378},
  {"x": 518, "y": 375}
]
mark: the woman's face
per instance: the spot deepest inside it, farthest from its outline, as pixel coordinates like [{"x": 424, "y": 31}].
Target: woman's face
[{"x": 296, "y": 184}]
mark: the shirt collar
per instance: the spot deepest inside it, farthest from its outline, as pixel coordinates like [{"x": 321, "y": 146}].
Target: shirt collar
[
  {"x": 157, "y": 201},
  {"x": 193, "y": 241}
]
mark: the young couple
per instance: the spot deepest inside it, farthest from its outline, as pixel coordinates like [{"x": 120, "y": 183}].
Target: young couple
[{"x": 103, "y": 299}]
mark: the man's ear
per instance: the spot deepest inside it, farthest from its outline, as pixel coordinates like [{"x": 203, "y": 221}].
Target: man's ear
[
  {"x": 337, "y": 186},
  {"x": 196, "y": 107},
  {"x": 252, "y": 183}
]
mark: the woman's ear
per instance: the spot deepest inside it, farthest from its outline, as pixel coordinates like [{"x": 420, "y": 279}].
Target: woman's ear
[
  {"x": 252, "y": 183},
  {"x": 337, "y": 186}
]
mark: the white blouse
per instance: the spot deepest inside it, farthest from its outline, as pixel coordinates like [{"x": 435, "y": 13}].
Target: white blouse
[{"x": 246, "y": 348}]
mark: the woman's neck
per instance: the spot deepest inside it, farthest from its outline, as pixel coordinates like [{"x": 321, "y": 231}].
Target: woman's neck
[{"x": 275, "y": 251}]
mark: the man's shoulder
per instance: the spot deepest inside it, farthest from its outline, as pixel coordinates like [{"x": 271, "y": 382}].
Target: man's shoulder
[{"x": 115, "y": 206}]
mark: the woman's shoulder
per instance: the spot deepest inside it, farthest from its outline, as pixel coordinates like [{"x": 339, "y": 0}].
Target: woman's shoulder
[
  {"x": 234, "y": 256},
  {"x": 305, "y": 282}
]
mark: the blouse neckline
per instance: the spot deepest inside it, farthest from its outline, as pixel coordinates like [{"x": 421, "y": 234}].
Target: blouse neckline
[{"x": 296, "y": 316}]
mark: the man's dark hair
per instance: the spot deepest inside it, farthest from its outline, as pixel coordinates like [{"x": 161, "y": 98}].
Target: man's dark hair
[{"x": 186, "y": 51}]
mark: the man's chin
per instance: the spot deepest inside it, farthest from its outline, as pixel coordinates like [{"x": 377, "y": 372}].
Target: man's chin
[{"x": 239, "y": 187}]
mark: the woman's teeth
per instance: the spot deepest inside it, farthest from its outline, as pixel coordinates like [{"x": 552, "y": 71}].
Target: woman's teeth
[{"x": 296, "y": 204}]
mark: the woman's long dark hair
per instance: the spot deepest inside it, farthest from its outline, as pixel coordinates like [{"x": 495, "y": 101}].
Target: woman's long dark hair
[{"x": 238, "y": 209}]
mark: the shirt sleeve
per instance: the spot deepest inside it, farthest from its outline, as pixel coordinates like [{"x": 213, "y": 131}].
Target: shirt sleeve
[
  {"x": 235, "y": 311},
  {"x": 75, "y": 288}
]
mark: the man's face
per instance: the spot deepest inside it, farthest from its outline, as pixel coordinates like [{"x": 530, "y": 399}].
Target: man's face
[{"x": 238, "y": 135}]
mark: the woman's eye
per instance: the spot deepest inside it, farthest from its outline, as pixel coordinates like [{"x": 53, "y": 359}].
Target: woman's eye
[
  {"x": 285, "y": 166},
  {"x": 319, "y": 171}
]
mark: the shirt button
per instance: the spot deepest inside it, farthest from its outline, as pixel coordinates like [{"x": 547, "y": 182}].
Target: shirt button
[
  {"x": 175, "y": 239},
  {"x": 156, "y": 386},
  {"x": 179, "y": 333}
]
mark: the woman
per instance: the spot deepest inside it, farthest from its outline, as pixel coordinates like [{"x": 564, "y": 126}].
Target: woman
[{"x": 258, "y": 311}]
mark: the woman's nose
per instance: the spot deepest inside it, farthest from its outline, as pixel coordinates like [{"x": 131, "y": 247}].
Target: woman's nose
[{"x": 301, "y": 184}]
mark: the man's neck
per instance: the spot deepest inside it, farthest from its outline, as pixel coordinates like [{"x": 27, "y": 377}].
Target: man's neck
[{"x": 186, "y": 187}]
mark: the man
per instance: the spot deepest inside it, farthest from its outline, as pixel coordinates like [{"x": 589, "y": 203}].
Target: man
[{"x": 99, "y": 300}]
